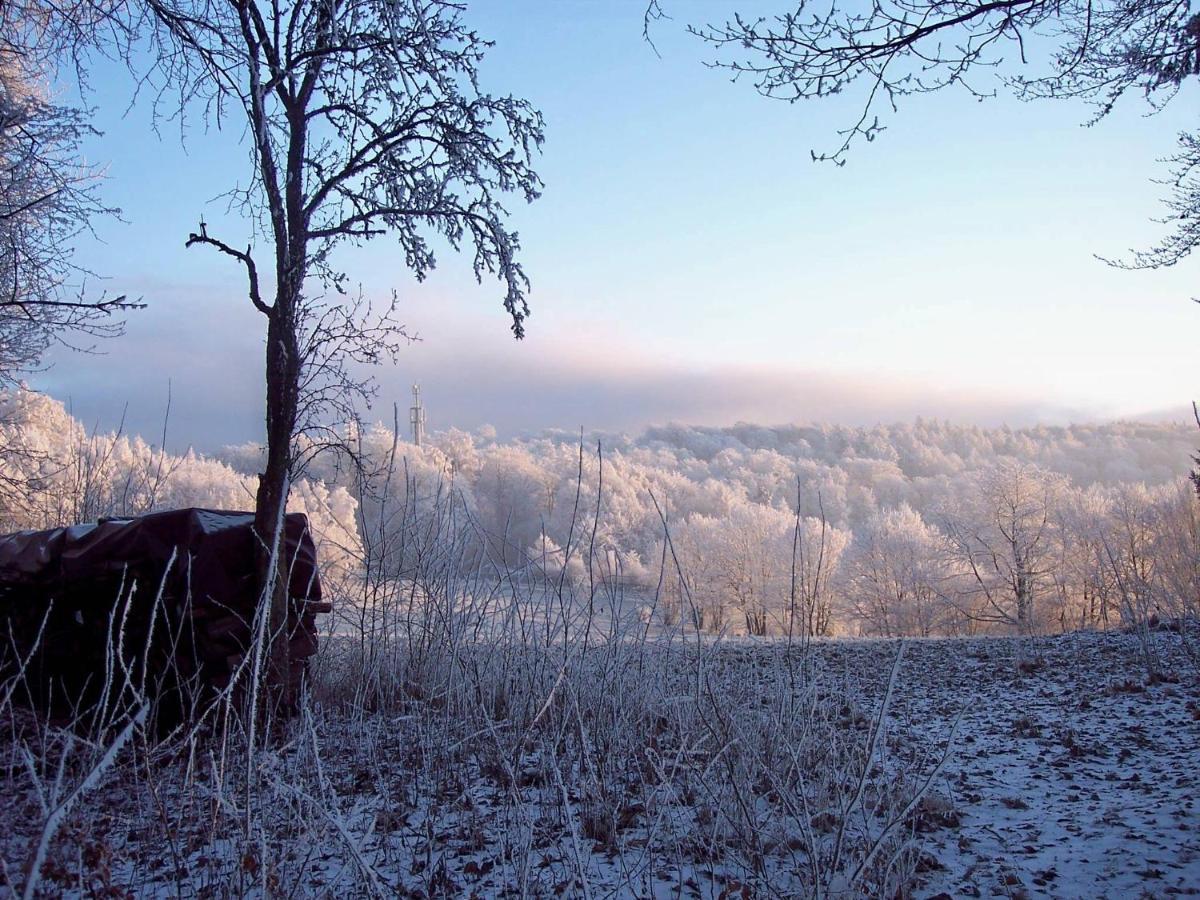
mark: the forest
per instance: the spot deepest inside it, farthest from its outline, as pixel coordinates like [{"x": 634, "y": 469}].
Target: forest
[{"x": 913, "y": 530}]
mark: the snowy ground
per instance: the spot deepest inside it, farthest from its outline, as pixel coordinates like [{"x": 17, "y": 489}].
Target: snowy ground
[
  {"x": 1076, "y": 779},
  {"x": 1070, "y": 775}
]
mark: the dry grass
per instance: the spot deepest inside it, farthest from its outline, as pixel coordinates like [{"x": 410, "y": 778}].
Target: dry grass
[{"x": 478, "y": 728}]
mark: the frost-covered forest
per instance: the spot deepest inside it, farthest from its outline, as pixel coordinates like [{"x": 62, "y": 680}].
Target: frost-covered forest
[{"x": 904, "y": 530}]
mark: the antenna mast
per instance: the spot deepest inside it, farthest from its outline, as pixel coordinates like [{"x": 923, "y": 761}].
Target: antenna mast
[{"x": 416, "y": 416}]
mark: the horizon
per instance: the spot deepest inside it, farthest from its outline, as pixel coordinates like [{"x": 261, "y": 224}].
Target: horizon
[
  {"x": 102, "y": 412},
  {"x": 150, "y": 426}
]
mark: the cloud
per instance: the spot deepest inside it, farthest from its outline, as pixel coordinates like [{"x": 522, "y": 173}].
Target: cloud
[
  {"x": 209, "y": 356},
  {"x": 550, "y": 391}
]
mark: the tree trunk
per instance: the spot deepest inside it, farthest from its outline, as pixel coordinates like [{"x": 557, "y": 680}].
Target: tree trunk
[{"x": 283, "y": 389}]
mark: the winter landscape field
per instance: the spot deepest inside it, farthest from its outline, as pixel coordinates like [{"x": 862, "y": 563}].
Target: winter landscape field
[
  {"x": 604, "y": 449},
  {"x": 510, "y": 703},
  {"x": 975, "y": 767}
]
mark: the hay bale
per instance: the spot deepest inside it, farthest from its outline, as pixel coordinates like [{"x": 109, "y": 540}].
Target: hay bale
[{"x": 164, "y": 601}]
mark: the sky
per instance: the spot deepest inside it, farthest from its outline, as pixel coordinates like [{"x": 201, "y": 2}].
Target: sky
[{"x": 689, "y": 261}]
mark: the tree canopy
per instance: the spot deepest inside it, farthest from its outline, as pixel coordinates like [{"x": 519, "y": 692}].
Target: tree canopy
[{"x": 48, "y": 194}]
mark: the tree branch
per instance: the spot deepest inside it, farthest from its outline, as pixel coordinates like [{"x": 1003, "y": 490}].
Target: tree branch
[{"x": 243, "y": 257}]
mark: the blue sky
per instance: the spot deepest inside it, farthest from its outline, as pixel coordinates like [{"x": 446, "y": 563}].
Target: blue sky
[{"x": 690, "y": 262}]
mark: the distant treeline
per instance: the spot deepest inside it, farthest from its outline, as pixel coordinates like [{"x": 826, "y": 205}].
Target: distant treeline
[{"x": 910, "y": 529}]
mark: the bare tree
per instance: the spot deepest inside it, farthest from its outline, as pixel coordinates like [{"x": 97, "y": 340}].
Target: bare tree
[
  {"x": 364, "y": 118},
  {"x": 896, "y": 576},
  {"x": 48, "y": 195},
  {"x": 888, "y": 50},
  {"x": 1177, "y": 547},
  {"x": 1083, "y": 577},
  {"x": 1002, "y": 544},
  {"x": 816, "y": 553}
]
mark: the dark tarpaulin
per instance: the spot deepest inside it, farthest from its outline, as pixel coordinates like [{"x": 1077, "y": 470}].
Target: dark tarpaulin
[{"x": 99, "y": 579}]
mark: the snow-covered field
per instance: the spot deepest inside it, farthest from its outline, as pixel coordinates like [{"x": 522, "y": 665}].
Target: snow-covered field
[
  {"x": 1074, "y": 779},
  {"x": 699, "y": 772}
]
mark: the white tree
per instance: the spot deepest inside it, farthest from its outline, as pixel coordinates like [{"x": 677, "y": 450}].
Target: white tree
[
  {"x": 1177, "y": 551},
  {"x": 695, "y": 590},
  {"x": 1083, "y": 578},
  {"x": 48, "y": 194},
  {"x": 896, "y": 576},
  {"x": 815, "y": 554},
  {"x": 1002, "y": 543}
]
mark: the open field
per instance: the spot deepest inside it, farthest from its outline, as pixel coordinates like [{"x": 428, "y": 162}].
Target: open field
[
  {"x": 660, "y": 769},
  {"x": 1076, "y": 779}
]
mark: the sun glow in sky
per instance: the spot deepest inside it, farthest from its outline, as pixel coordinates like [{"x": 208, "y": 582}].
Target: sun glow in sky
[{"x": 689, "y": 261}]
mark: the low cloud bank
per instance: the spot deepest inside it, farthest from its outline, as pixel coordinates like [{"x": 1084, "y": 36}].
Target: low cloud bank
[
  {"x": 216, "y": 400},
  {"x": 206, "y": 353}
]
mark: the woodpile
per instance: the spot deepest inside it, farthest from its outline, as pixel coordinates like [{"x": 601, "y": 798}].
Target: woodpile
[{"x": 160, "y": 605}]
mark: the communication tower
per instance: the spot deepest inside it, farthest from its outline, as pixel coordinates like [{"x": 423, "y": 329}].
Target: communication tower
[{"x": 416, "y": 416}]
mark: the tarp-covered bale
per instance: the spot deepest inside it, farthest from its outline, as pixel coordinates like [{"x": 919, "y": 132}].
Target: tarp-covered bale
[{"x": 166, "y": 601}]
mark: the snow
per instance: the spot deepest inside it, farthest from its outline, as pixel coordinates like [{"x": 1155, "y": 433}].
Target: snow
[
  {"x": 1070, "y": 774},
  {"x": 1076, "y": 779}
]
